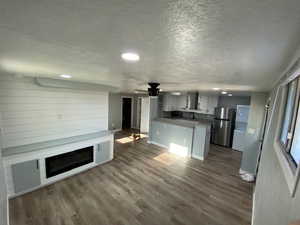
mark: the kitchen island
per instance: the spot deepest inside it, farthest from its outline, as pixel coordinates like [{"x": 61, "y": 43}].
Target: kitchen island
[{"x": 183, "y": 137}]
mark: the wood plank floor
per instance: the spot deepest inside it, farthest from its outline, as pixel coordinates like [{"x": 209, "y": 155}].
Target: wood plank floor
[{"x": 144, "y": 184}]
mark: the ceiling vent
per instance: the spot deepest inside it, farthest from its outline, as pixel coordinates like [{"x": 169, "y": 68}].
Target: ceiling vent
[{"x": 153, "y": 90}]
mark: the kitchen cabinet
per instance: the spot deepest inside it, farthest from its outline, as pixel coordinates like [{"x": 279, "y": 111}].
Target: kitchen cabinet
[
  {"x": 174, "y": 102},
  {"x": 203, "y": 103},
  {"x": 178, "y": 139},
  {"x": 181, "y": 102},
  {"x": 26, "y": 175},
  {"x": 212, "y": 104},
  {"x": 207, "y": 104},
  {"x": 103, "y": 152},
  {"x": 168, "y": 102}
]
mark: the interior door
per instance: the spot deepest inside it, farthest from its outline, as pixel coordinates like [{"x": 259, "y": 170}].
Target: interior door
[
  {"x": 145, "y": 115},
  {"x": 126, "y": 113}
]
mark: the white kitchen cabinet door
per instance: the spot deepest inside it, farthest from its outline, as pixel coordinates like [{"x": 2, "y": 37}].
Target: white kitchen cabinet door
[
  {"x": 167, "y": 103},
  {"x": 207, "y": 104},
  {"x": 212, "y": 104},
  {"x": 203, "y": 103},
  {"x": 173, "y": 102},
  {"x": 181, "y": 102}
]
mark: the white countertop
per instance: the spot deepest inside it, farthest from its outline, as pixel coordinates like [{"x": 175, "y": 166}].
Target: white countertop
[
  {"x": 48, "y": 144},
  {"x": 184, "y": 122}
]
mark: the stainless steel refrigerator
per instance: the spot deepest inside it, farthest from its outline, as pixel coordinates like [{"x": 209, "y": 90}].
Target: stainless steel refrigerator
[{"x": 223, "y": 126}]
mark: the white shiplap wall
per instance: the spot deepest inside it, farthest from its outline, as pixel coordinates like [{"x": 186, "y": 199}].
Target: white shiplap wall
[{"x": 31, "y": 113}]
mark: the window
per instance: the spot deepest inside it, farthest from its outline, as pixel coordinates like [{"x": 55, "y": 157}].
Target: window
[{"x": 290, "y": 130}]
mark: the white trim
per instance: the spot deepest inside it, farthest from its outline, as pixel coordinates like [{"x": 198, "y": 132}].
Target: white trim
[
  {"x": 197, "y": 157},
  {"x": 116, "y": 130},
  {"x": 132, "y": 103},
  {"x": 288, "y": 174},
  {"x": 242, "y": 171},
  {"x": 7, "y": 210},
  {"x": 292, "y": 178},
  {"x": 168, "y": 149},
  {"x": 160, "y": 145}
]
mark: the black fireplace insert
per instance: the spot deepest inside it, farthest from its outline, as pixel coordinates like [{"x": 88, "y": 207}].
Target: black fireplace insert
[{"x": 67, "y": 161}]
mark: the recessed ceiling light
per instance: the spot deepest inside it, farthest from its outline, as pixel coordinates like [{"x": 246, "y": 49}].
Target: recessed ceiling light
[
  {"x": 216, "y": 89},
  {"x": 67, "y": 76},
  {"x": 224, "y": 92},
  {"x": 229, "y": 95},
  {"x": 130, "y": 56},
  {"x": 176, "y": 93}
]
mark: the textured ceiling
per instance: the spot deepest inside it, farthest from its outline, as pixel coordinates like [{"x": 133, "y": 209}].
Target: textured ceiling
[{"x": 241, "y": 45}]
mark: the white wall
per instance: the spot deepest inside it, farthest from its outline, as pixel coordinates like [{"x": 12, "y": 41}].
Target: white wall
[
  {"x": 254, "y": 128},
  {"x": 115, "y": 111},
  {"x": 233, "y": 101},
  {"x": 31, "y": 113},
  {"x": 273, "y": 203}
]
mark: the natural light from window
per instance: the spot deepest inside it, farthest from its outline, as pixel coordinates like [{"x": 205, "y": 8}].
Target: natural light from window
[
  {"x": 125, "y": 140},
  {"x": 178, "y": 149}
]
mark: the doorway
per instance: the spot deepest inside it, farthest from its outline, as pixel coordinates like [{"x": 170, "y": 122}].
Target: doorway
[{"x": 127, "y": 110}]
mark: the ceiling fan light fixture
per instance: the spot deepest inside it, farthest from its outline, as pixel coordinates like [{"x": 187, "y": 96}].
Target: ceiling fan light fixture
[
  {"x": 130, "y": 56},
  {"x": 66, "y": 76},
  {"x": 153, "y": 90}
]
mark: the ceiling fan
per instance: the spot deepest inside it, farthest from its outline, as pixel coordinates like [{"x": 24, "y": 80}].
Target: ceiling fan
[{"x": 153, "y": 90}]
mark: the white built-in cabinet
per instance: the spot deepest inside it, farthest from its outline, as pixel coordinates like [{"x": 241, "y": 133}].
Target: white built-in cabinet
[
  {"x": 27, "y": 171},
  {"x": 206, "y": 104}
]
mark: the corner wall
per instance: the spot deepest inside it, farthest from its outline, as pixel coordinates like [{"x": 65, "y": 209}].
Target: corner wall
[
  {"x": 273, "y": 204},
  {"x": 114, "y": 111},
  {"x": 252, "y": 136}
]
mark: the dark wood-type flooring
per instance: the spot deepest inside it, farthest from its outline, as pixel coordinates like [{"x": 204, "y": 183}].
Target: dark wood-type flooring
[{"x": 144, "y": 184}]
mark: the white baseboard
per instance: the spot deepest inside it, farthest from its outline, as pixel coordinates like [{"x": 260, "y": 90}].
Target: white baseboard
[
  {"x": 7, "y": 210},
  {"x": 246, "y": 176},
  {"x": 197, "y": 157},
  {"x": 160, "y": 145},
  {"x": 244, "y": 172},
  {"x": 116, "y": 130}
]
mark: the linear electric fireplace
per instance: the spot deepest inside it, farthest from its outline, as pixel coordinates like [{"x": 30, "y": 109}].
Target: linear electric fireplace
[{"x": 64, "y": 162}]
